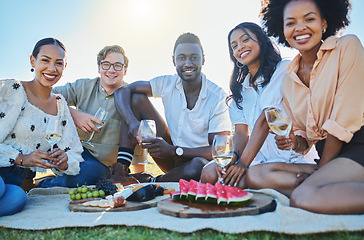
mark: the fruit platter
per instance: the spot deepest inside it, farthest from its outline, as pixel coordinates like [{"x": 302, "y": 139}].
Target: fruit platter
[
  {"x": 106, "y": 196},
  {"x": 195, "y": 199}
]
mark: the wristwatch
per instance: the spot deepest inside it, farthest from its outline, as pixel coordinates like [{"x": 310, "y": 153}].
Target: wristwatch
[{"x": 179, "y": 151}]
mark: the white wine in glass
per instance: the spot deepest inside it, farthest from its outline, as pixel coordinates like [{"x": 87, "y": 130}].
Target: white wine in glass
[
  {"x": 279, "y": 122},
  {"x": 100, "y": 115},
  {"x": 222, "y": 150},
  {"x": 53, "y": 132},
  {"x": 147, "y": 130}
]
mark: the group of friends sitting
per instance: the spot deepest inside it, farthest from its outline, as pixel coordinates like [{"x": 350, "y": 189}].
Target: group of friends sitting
[{"x": 321, "y": 89}]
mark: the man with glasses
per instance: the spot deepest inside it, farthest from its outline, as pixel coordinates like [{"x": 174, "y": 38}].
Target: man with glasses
[
  {"x": 87, "y": 95},
  {"x": 195, "y": 112}
]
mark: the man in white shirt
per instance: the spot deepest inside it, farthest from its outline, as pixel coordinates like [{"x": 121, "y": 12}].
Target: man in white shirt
[{"x": 195, "y": 112}]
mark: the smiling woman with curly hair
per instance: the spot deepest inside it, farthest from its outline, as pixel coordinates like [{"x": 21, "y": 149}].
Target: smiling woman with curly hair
[{"x": 322, "y": 91}]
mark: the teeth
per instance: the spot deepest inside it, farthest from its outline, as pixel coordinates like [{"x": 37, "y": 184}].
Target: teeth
[
  {"x": 49, "y": 76},
  {"x": 188, "y": 71},
  {"x": 244, "y": 54},
  {"x": 302, "y": 37}
]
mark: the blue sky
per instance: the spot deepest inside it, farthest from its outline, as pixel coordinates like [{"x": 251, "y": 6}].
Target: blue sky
[{"x": 147, "y": 29}]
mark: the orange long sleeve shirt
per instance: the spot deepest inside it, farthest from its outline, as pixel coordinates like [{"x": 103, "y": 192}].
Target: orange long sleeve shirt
[{"x": 334, "y": 101}]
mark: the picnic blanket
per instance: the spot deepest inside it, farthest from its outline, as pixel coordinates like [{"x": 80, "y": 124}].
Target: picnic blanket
[{"x": 48, "y": 209}]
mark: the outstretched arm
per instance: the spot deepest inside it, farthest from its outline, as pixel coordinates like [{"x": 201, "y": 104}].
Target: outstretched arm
[
  {"x": 122, "y": 98},
  {"x": 235, "y": 173}
]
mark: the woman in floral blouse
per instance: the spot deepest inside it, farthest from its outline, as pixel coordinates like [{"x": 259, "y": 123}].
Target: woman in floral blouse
[{"x": 25, "y": 108}]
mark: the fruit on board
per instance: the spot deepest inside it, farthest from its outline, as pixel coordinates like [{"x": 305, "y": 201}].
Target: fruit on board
[
  {"x": 183, "y": 187},
  {"x": 175, "y": 195},
  {"x": 220, "y": 193},
  {"x": 200, "y": 192},
  {"x": 236, "y": 196},
  {"x": 211, "y": 196},
  {"x": 192, "y": 188},
  {"x": 208, "y": 193}
]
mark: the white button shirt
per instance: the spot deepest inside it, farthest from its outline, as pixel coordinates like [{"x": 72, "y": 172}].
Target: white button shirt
[
  {"x": 190, "y": 128},
  {"x": 252, "y": 106}
]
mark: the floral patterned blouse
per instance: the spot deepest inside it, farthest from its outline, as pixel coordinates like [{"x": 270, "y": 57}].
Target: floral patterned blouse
[{"x": 23, "y": 125}]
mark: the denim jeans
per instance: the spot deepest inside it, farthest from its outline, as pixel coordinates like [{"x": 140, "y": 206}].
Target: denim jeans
[
  {"x": 91, "y": 171},
  {"x": 15, "y": 175},
  {"x": 12, "y": 198}
]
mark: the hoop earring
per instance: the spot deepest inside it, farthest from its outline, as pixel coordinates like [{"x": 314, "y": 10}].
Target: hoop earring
[
  {"x": 323, "y": 30},
  {"x": 32, "y": 69},
  {"x": 239, "y": 66}
]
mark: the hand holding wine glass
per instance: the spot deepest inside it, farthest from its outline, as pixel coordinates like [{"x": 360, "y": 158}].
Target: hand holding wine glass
[
  {"x": 53, "y": 132},
  {"x": 222, "y": 151},
  {"x": 100, "y": 115},
  {"x": 147, "y": 130},
  {"x": 279, "y": 122}
]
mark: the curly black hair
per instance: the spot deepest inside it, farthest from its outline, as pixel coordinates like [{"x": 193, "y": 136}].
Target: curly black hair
[
  {"x": 335, "y": 12},
  {"x": 269, "y": 57}
]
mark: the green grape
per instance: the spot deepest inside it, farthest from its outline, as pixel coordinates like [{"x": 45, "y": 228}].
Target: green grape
[
  {"x": 73, "y": 196},
  {"x": 89, "y": 194},
  {"x": 84, "y": 189},
  {"x": 84, "y": 195},
  {"x": 101, "y": 193},
  {"x": 79, "y": 189},
  {"x": 95, "y": 194},
  {"x": 71, "y": 192},
  {"x": 78, "y": 196}
]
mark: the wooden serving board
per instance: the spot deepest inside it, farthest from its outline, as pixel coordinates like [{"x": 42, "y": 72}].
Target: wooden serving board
[
  {"x": 260, "y": 203},
  {"x": 129, "y": 206}
]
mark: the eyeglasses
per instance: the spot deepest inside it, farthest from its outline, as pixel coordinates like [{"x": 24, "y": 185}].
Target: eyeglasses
[{"x": 105, "y": 65}]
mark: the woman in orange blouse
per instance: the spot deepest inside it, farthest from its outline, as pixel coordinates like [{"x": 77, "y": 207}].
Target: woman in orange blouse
[{"x": 323, "y": 92}]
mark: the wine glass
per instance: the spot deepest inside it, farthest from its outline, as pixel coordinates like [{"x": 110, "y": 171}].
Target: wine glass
[
  {"x": 53, "y": 132},
  {"x": 222, "y": 151},
  {"x": 100, "y": 115},
  {"x": 279, "y": 122},
  {"x": 147, "y": 130}
]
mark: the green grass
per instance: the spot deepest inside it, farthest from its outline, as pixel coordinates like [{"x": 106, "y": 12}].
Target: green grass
[{"x": 135, "y": 233}]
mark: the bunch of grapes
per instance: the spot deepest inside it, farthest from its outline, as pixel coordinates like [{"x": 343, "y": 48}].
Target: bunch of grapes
[
  {"x": 108, "y": 187},
  {"x": 85, "y": 192}
]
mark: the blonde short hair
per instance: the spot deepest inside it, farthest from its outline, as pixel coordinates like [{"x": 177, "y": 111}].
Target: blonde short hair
[{"x": 108, "y": 49}]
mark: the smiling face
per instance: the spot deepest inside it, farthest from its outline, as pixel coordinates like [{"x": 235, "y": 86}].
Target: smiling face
[
  {"x": 49, "y": 64},
  {"x": 303, "y": 25},
  {"x": 245, "y": 48},
  {"x": 112, "y": 79},
  {"x": 188, "y": 60}
]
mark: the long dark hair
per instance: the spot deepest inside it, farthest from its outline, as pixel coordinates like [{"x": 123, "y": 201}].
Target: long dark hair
[{"x": 269, "y": 57}]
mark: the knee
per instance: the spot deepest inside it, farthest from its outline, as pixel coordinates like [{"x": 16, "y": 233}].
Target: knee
[
  {"x": 14, "y": 199},
  {"x": 253, "y": 176},
  {"x": 195, "y": 167},
  {"x": 300, "y": 199},
  {"x": 208, "y": 174}
]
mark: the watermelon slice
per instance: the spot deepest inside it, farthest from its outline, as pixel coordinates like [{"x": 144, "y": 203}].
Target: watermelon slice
[
  {"x": 210, "y": 194},
  {"x": 175, "y": 195},
  {"x": 236, "y": 196},
  {"x": 200, "y": 192},
  {"x": 183, "y": 187},
  {"x": 192, "y": 188},
  {"x": 221, "y": 194}
]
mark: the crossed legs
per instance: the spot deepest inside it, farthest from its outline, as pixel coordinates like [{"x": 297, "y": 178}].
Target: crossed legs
[{"x": 336, "y": 188}]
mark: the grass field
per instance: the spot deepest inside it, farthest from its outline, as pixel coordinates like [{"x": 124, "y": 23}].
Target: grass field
[{"x": 136, "y": 233}]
